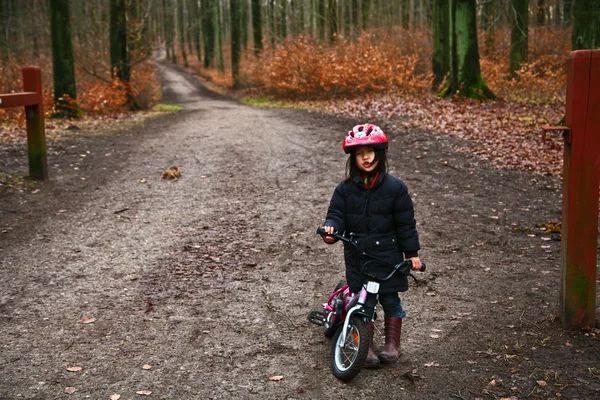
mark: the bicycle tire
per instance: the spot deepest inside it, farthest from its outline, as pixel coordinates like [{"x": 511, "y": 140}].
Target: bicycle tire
[{"x": 347, "y": 361}]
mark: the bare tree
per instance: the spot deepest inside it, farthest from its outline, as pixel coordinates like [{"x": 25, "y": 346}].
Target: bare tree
[
  {"x": 63, "y": 69},
  {"x": 519, "y": 34}
]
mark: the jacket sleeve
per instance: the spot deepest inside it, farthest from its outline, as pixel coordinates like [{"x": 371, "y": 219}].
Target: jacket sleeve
[
  {"x": 406, "y": 226},
  {"x": 336, "y": 214}
]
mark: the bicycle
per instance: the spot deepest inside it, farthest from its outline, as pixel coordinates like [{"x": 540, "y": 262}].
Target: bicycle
[{"x": 345, "y": 315}]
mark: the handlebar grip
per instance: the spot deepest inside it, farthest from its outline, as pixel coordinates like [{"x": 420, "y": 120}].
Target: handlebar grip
[
  {"x": 422, "y": 267},
  {"x": 321, "y": 231}
]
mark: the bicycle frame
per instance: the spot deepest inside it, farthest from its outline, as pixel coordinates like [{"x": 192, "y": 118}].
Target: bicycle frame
[{"x": 371, "y": 287}]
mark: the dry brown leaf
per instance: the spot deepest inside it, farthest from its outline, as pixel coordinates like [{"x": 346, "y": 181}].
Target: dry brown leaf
[
  {"x": 87, "y": 320},
  {"x": 115, "y": 396},
  {"x": 276, "y": 378},
  {"x": 144, "y": 392},
  {"x": 74, "y": 369},
  {"x": 172, "y": 173},
  {"x": 70, "y": 390},
  {"x": 147, "y": 366},
  {"x": 541, "y": 383}
]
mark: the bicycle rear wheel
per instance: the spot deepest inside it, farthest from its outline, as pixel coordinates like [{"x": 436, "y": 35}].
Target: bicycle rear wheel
[{"x": 348, "y": 360}]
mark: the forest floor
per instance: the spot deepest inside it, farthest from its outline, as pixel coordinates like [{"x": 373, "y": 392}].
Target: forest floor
[{"x": 119, "y": 283}]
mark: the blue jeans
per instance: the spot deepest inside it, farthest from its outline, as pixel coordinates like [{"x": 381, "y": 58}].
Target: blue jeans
[{"x": 390, "y": 302}]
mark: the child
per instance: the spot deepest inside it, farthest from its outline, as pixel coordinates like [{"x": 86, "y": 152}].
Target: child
[{"x": 377, "y": 209}]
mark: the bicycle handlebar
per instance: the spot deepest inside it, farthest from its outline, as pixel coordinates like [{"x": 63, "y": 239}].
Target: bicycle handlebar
[{"x": 404, "y": 267}]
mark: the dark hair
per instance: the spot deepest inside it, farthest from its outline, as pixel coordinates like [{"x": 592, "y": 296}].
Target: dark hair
[{"x": 352, "y": 169}]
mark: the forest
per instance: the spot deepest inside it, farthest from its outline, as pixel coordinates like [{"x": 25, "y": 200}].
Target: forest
[{"x": 429, "y": 62}]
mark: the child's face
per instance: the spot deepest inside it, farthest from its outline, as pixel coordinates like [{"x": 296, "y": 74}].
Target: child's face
[{"x": 364, "y": 157}]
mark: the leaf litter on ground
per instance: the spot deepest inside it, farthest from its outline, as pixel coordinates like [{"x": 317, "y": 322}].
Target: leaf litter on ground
[{"x": 508, "y": 134}]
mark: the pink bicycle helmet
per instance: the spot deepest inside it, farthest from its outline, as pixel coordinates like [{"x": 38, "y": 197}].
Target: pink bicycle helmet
[{"x": 365, "y": 135}]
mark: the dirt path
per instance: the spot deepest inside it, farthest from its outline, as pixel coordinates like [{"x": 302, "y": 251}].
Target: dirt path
[{"x": 208, "y": 279}]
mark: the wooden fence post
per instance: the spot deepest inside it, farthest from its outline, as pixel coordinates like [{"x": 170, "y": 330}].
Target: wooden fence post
[
  {"x": 581, "y": 177},
  {"x": 36, "y": 135}
]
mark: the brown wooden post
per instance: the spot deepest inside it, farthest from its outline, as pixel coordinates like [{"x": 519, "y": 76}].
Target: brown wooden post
[
  {"x": 580, "y": 191},
  {"x": 36, "y": 135}
]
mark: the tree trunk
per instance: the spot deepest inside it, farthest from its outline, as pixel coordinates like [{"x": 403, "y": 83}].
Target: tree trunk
[
  {"x": 282, "y": 21},
  {"x": 540, "y": 13},
  {"x": 441, "y": 41},
  {"x": 321, "y": 19},
  {"x": 519, "y": 36},
  {"x": 257, "y": 26},
  {"x": 63, "y": 69},
  {"x": 332, "y": 19},
  {"x": 347, "y": 18},
  {"x": 489, "y": 24},
  {"x": 244, "y": 23},
  {"x": 169, "y": 30},
  {"x": 4, "y": 33},
  {"x": 567, "y": 12},
  {"x": 195, "y": 22},
  {"x": 180, "y": 23},
  {"x": 272, "y": 29},
  {"x": 465, "y": 75},
  {"x": 236, "y": 42},
  {"x": 119, "y": 59},
  {"x": 406, "y": 14},
  {"x": 218, "y": 39},
  {"x": 208, "y": 30},
  {"x": 586, "y": 24},
  {"x": 487, "y": 15},
  {"x": 354, "y": 20},
  {"x": 301, "y": 17},
  {"x": 365, "y": 13}
]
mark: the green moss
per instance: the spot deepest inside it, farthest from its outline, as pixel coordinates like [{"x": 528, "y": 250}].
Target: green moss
[
  {"x": 272, "y": 103},
  {"x": 162, "y": 107}
]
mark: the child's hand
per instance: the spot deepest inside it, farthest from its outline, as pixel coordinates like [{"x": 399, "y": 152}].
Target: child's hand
[
  {"x": 330, "y": 230},
  {"x": 416, "y": 263}
]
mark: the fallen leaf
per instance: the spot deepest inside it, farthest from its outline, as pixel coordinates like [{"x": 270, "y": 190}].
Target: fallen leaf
[
  {"x": 276, "y": 378},
  {"x": 172, "y": 173},
  {"x": 432, "y": 364},
  {"x": 87, "y": 320},
  {"x": 147, "y": 366},
  {"x": 115, "y": 396},
  {"x": 74, "y": 369},
  {"x": 143, "y": 180},
  {"x": 144, "y": 392},
  {"x": 70, "y": 390},
  {"x": 36, "y": 191},
  {"x": 434, "y": 336},
  {"x": 541, "y": 383}
]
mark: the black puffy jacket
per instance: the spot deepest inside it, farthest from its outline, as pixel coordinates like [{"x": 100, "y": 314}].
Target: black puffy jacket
[{"x": 382, "y": 220}]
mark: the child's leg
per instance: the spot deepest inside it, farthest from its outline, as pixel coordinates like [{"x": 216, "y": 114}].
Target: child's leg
[
  {"x": 390, "y": 302},
  {"x": 372, "y": 360},
  {"x": 393, "y": 325}
]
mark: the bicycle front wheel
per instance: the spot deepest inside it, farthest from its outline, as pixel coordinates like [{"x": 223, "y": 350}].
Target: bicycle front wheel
[{"x": 348, "y": 360}]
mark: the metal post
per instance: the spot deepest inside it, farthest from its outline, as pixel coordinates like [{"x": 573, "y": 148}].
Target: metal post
[
  {"x": 580, "y": 191},
  {"x": 36, "y": 135}
]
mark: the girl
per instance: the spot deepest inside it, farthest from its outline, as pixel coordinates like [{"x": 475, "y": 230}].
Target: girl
[{"x": 377, "y": 209}]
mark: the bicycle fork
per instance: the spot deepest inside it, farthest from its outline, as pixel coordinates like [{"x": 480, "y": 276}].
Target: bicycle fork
[{"x": 360, "y": 308}]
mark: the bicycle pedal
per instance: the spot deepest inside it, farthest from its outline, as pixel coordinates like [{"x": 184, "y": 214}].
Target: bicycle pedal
[{"x": 317, "y": 318}]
